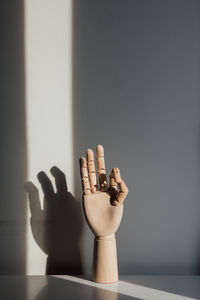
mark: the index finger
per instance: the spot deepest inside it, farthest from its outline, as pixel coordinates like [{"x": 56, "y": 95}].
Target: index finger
[
  {"x": 91, "y": 170},
  {"x": 84, "y": 176}
]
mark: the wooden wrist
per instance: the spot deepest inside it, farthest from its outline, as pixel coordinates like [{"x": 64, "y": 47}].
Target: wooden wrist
[{"x": 105, "y": 268}]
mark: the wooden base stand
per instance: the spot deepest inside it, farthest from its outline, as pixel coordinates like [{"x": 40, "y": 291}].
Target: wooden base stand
[{"x": 105, "y": 269}]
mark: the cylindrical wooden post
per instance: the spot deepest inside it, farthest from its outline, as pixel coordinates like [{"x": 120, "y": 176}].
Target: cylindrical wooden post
[{"x": 105, "y": 268}]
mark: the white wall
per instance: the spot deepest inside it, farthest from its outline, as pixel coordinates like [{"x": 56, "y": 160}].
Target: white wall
[{"x": 48, "y": 61}]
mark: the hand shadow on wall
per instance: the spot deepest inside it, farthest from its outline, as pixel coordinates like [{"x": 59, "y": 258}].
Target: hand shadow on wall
[{"x": 56, "y": 228}]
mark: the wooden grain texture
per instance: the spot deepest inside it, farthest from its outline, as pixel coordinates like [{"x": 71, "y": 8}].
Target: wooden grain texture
[
  {"x": 103, "y": 209},
  {"x": 105, "y": 267}
]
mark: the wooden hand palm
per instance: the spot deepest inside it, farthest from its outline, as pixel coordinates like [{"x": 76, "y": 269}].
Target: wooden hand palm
[{"x": 103, "y": 204}]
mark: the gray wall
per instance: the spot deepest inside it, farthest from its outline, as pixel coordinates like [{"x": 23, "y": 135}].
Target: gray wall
[
  {"x": 12, "y": 138},
  {"x": 136, "y": 91}
]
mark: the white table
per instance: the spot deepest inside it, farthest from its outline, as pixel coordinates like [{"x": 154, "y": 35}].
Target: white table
[{"x": 71, "y": 287}]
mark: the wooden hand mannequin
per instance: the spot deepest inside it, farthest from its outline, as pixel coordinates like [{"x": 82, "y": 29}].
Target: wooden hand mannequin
[{"x": 103, "y": 208}]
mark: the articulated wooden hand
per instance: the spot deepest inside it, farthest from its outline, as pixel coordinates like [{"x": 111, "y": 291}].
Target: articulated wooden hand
[{"x": 103, "y": 208}]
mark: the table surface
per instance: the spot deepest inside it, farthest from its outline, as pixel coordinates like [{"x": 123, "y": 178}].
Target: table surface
[{"x": 129, "y": 287}]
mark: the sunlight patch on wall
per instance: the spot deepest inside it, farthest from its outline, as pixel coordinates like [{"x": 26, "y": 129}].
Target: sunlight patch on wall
[{"x": 48, "y": 57}]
